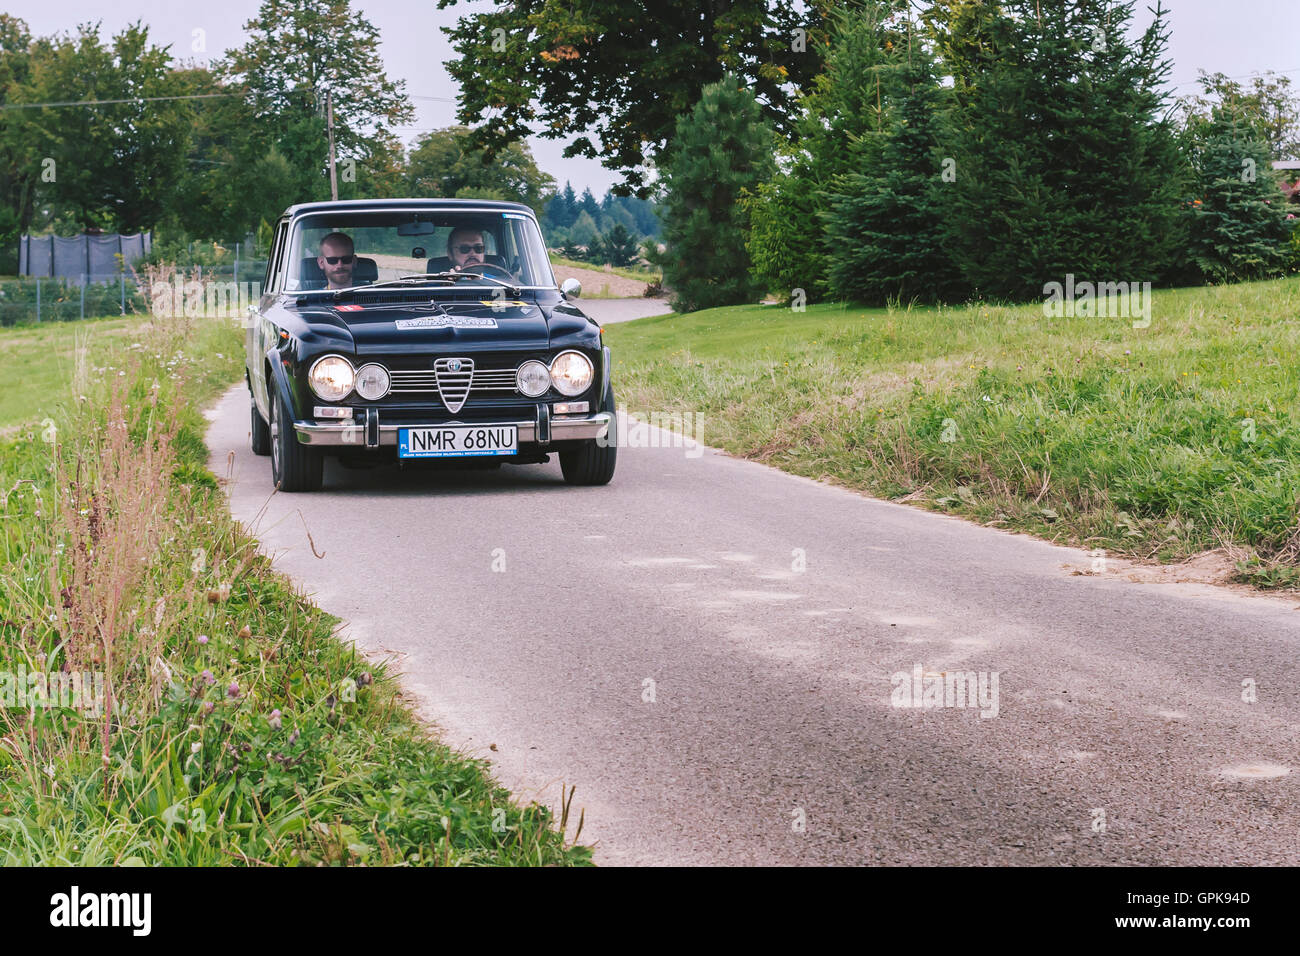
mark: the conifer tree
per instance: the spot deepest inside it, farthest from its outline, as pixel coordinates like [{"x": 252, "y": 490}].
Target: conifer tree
[
  {"x": 721, "y": 148},
  {"x": 841, "y": 116},
  {"x": 1065, "y": 159},
  {"x": 1238, "y": 224},
  {"x": 885, "y": 233}
]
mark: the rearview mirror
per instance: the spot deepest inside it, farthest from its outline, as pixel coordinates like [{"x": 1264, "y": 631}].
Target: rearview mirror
[{"x": 415, "y": 228}]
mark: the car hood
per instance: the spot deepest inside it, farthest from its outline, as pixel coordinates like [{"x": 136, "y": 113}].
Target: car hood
[{"x": 389, "y": 327}]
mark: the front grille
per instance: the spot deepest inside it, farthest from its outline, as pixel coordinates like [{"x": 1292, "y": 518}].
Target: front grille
[
  {"x": 426, "y": 380},
  {"x": 486, "y": 410}
]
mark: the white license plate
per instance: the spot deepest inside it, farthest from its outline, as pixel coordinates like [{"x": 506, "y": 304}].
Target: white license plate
[{"x": 456, "y": 441}]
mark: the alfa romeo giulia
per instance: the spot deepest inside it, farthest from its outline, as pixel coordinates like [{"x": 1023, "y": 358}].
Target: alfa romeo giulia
[{"x": 423, "y": 331}]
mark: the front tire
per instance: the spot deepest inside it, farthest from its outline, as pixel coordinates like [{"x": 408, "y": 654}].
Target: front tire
[
  {"x": 294, "y": 467},
  {"x": 589, "y": 462}
]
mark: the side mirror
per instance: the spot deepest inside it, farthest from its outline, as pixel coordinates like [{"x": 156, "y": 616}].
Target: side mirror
[{"x": 571, "y": 288}]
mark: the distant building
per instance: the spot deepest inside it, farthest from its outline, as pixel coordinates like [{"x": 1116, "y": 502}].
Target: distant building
[{"x": 1290, "y": 170}]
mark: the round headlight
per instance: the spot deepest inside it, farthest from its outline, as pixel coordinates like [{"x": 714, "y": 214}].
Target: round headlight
[
  {"x": 533, "y": 379},
  {"x": 332, "y": 378},
  {"x": 571, "y": 373},
  {"x": 372, "y": 382}
]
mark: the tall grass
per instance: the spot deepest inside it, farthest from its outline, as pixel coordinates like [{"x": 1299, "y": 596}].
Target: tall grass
[
  {"x": 234, "y": 727},
  {"x": 1159, "y": 442}
]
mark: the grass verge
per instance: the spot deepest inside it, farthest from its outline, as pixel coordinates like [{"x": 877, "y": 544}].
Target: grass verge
[
  {"x": 232, "y": 726},
  {"x": 1157, "y": 443}
]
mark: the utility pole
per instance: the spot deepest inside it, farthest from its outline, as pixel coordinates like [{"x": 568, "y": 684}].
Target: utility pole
[{"x": 329, "y": 119}]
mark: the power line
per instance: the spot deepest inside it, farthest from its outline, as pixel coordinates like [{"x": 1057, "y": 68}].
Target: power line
[{"x": 138, "y": 99}]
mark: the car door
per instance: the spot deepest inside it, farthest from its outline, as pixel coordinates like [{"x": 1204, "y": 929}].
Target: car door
[{"x": 261, "y": 330}]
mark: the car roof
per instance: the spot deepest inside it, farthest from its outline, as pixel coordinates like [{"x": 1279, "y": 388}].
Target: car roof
[{"x": 356, "y": 205}]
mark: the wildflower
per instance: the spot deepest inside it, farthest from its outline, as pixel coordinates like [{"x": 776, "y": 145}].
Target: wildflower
[
  {"x": 208, "y": 707},
  {"x": 202, "y": 638},
  {"x": 275, "y": 719},
  {"x": 207, "y": 678},
  {"x": 233, "y": 689},
  {"x": 195, "y": 747}
]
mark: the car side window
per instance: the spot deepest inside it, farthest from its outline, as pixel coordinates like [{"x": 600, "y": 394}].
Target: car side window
[{"x": 274, "y": 265}]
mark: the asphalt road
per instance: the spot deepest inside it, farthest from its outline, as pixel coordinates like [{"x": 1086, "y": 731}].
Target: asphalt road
[
  {"x": 608, "y": 311},
  {"x": 707, "y": 647}
]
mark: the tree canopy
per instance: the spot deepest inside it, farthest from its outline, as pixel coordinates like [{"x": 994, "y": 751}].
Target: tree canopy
[
  {"x": 625, "y": 70},
  {"x": 445, "y": 163}
]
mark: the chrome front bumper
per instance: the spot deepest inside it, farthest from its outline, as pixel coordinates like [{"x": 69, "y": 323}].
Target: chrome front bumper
[{"x": 362, "y": 434}]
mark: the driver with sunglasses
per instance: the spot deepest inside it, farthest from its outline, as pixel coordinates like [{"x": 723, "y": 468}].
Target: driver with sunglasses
[
  {"x": 465, "y": 249},
  {"x": 336, "y": 260}
]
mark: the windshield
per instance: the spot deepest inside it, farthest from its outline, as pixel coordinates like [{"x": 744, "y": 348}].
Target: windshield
[{"x": 344, "y": 249}]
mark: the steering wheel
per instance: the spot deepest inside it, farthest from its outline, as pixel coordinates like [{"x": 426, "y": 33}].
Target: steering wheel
[{"x": 483, "y": 270}]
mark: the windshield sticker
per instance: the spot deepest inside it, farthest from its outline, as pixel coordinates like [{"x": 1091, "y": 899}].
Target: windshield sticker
[
  {"x": 513, "y": 215},
  {"x": 350, "y": 308},
  {"x": 448, "y": 322}
]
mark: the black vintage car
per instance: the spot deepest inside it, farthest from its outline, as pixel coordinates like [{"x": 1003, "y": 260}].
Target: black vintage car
[{"x": 423, "y": 331}]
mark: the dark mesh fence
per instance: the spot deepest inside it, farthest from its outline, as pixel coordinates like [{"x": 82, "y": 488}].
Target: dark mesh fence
[
  {"x": 81, "y": 258},
  {"x": 93, "y": 276}
]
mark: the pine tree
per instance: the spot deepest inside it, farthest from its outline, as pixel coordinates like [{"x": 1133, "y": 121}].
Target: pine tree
[
  {"x": 1064, "y": 160},
  {"x": 567, "y": 200},
  {"x": 559, "y": 211},
  {"x": 1238, "y": 223},
  {"x": 721, "y": 148},
  {"x": 617, "y": 247},
  {"x": 885, "y": 228},
  {"x": 842, "y": 115}
]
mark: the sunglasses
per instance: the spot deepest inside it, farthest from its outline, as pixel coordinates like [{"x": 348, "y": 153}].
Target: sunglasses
[
  {"x": 465, "y": 249},
  {"x": 335, "y": 260}
]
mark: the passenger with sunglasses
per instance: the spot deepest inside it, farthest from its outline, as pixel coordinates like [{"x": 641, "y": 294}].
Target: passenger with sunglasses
[{"x": 336, "y": 260}]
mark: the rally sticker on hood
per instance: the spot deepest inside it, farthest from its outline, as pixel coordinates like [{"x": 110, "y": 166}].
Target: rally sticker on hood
[{"x": 448, "y": 322}]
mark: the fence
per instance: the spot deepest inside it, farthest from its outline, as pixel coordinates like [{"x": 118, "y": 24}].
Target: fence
[
  {"x": 79, "y": 295},
  {"x": 59, "y": 299},
  {"x": 81, "y": 258}
]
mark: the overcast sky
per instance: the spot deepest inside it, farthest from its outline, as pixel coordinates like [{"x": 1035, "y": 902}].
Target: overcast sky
[{"x": 1236, "y": 37}]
